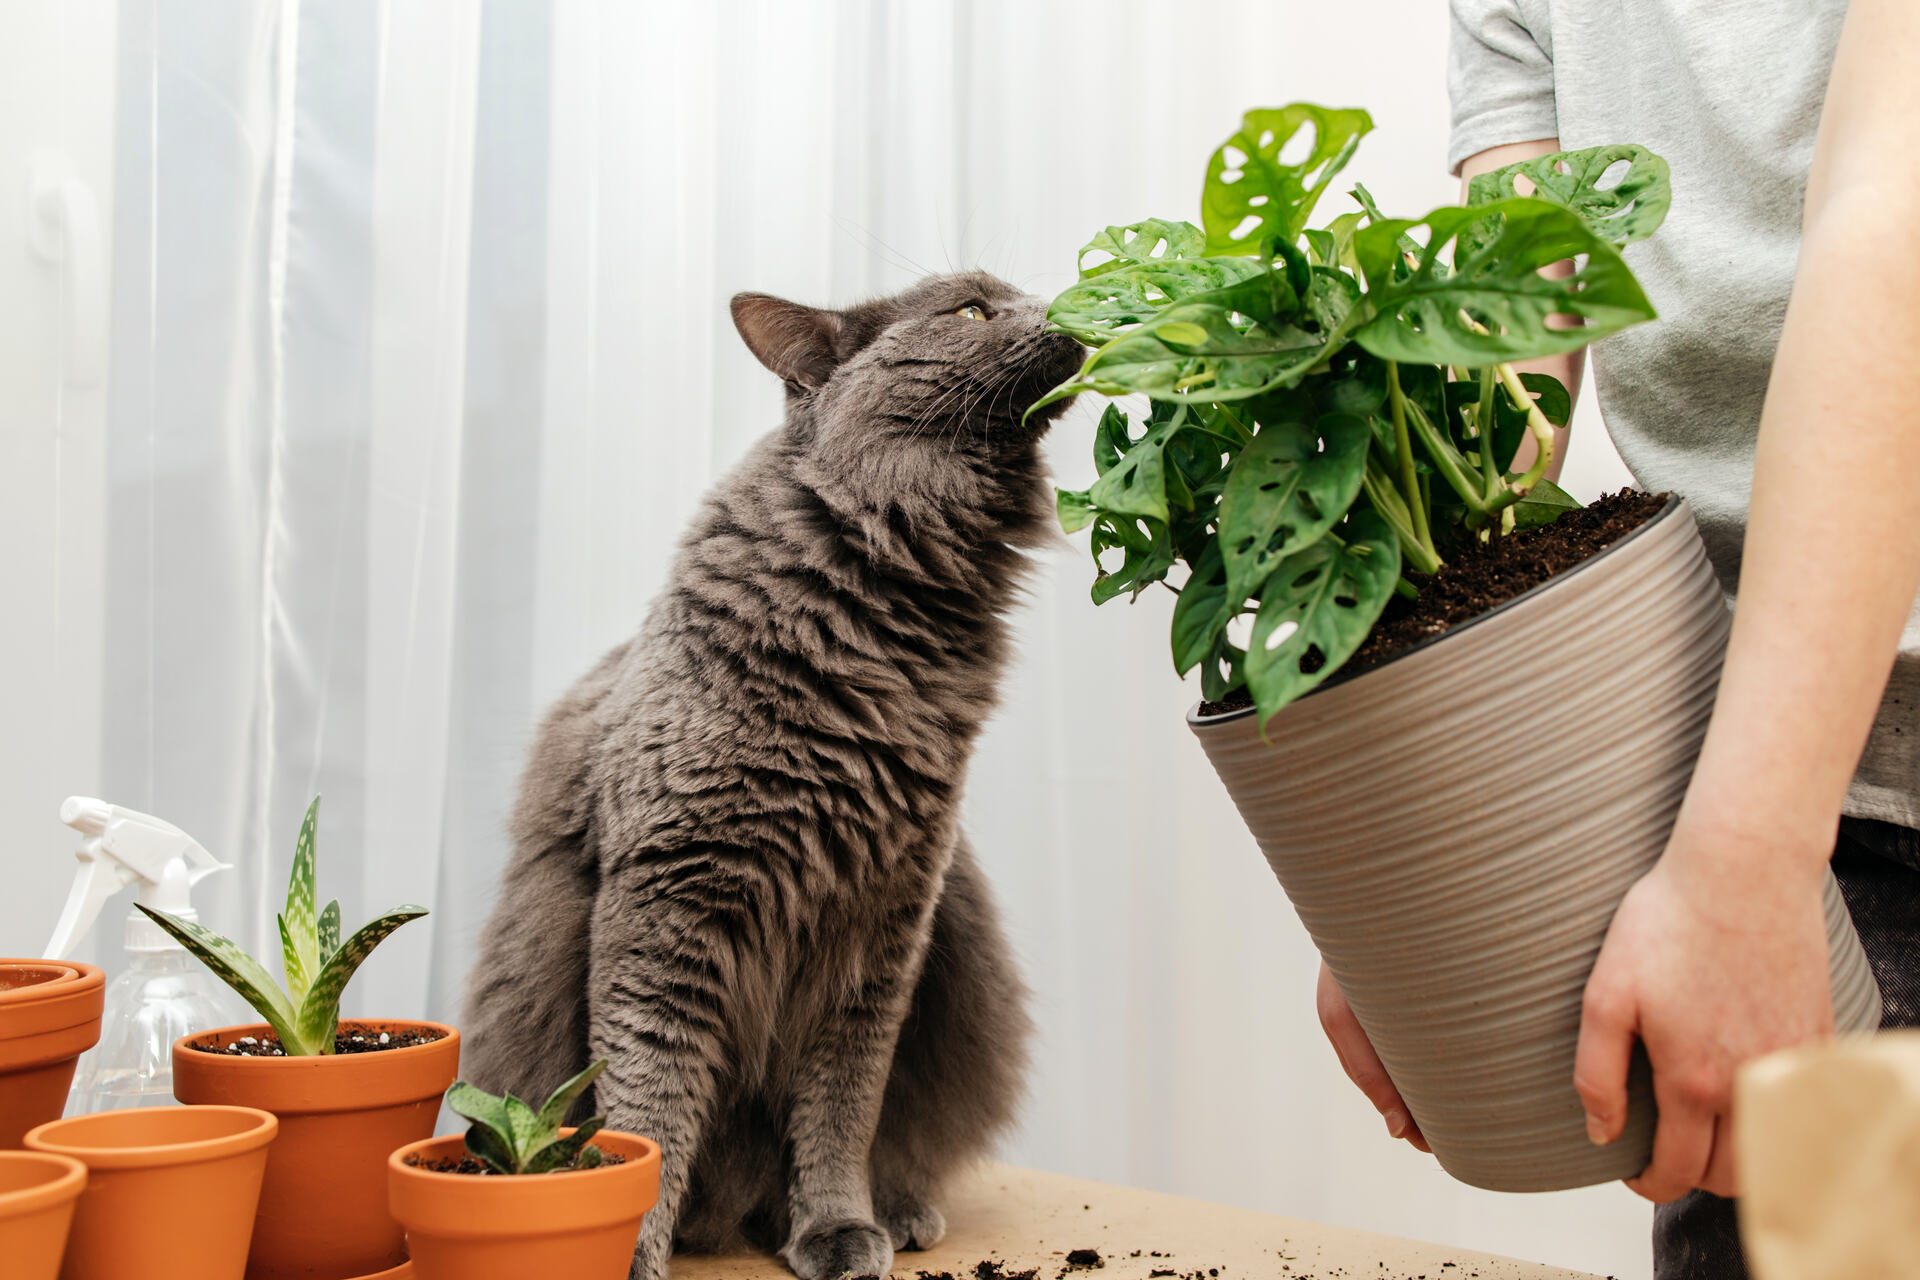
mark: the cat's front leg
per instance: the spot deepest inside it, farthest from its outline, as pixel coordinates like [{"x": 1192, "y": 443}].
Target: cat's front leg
[
  {"x": 655, "y": 1014},
  {"x": 835, "y": 1110}
]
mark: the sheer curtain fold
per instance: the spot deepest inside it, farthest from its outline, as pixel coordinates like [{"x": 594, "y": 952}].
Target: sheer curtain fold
[{"x": 421, "y": 360}]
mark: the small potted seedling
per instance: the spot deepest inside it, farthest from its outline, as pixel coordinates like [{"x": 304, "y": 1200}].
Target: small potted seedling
[
  {"x": 1457, "y": 711},
  {"x": 522, "y": 1195},
  {"x": 346, "y": 1092}
]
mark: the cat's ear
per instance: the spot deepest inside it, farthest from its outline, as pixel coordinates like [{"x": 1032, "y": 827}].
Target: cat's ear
[{"x": 798, "y": 343}]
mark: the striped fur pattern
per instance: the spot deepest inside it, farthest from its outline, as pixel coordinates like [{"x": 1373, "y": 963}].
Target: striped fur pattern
[{"x": 739, "y": 874}]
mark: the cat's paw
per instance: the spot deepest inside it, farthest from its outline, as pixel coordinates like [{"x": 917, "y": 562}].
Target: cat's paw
[
  {"x": 835, "y": 1249},
  {"x": 913, "y": 1224}
]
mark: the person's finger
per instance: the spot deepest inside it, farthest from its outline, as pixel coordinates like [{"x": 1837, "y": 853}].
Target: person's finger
[
  {"x": 1361, "y": 1063},
  {"x": 1719, "y": 1177},
  {"x": 1683, "y": 1138},
  {"x": 1607, "y": 1024}
]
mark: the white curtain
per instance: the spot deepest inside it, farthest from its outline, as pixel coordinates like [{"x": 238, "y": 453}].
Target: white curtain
[{"x": 418, "y": 360}]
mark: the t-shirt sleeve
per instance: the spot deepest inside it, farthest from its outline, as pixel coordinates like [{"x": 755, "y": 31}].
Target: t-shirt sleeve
[{"x": 1500, "y": 78}]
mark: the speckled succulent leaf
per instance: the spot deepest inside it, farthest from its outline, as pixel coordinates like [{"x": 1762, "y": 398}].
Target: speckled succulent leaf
[
  {"x": 524, "y": 1130},
  {"x": 238, "y": 970},
  {"x": 485, "y": 1144},
  {"x": 478, "y": 1105},
  {"x": 299, "y": 926},
  {"x": 553, "y": 1112},
  {"x": 292, "y": 963},
  {"x": 1627, "y": 209},
  {"x": 1327, "y": 597},
  {"x": 320, "y": 1011},
  {"x": 1288, "y": 487},
  {"x": 328, "y": 934},
  {"x": 589, "y": 1158},
  {"x": 1494, "y": 304},
  {"x": 1253, "y": 197},
  {"x": 562, "y": 1153},
  {"x": 1149, "y": 240}
]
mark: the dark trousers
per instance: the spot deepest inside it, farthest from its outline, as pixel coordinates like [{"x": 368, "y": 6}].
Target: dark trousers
[{"x": 1878, "y": 866}]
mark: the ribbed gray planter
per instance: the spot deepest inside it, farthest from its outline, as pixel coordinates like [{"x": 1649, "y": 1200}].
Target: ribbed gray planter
[{"x": 1457, "y": 826}]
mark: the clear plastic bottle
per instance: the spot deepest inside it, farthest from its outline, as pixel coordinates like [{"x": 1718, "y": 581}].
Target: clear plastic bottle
[{"x": 163, "y": 994}]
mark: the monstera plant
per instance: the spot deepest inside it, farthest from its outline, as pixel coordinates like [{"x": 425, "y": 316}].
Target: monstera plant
[
  {"x": 1333, "y": 410},
  {"x": 305, "y": 1013}
]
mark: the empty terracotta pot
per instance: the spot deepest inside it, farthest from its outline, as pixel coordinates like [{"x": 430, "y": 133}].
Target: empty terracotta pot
[
  {"x": 37, "y": 1193},
  {"x": 323, "y": 1209},
  {"x": 1456, "y": 828},
  {"x": 581, "y": 1225},
  {"x": 170, "y": 1190},
  {"x": 49, "y": 1016}
]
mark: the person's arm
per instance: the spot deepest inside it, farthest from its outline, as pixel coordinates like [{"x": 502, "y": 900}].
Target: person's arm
[{"x": 1720, "y": 953}]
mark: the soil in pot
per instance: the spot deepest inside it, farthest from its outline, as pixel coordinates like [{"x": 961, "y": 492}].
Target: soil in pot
[
  {"x": 340, "y": 1117},
  {"x": 37, "y": 1195},
  {"x": 49, "y": 1016},
  {"x": 582, "y": 1224},
  {"x": 473, "y": 1168},
  {"x": 170, "y": 1191},
  {"x": 1480, "y": 578}
]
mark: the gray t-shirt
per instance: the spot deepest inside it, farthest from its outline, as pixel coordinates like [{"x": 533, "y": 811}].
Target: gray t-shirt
[{"x": 1729, "y": 91}]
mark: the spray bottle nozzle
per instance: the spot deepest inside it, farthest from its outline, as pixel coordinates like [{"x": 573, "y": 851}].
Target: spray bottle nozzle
[{"x": 123, "y": 847}]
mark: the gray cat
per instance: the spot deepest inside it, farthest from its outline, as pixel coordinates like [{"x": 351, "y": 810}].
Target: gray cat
[{"x": 739, "y": 874}]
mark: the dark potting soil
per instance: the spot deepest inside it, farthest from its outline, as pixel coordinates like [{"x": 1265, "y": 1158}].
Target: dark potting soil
[
  {"x": 468, "y": 1165},
  {"x": 268, "y": 1046},
  {"x": 1486, "y": 576}
]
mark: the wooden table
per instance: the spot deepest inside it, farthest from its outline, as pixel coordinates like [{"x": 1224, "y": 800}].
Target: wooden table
[{"x": 1028, "y": 1222}]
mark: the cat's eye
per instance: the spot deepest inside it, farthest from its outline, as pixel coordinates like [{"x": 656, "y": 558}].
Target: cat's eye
[{"x": 972, "y": 311}]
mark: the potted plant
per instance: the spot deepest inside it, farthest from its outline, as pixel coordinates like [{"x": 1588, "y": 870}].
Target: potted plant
[
  {"x": 1326, "y": 475},
  {"x": 520, "y": 1195},
  {"x": 169, "y": 1193},
  {"x": 49, "y": 1016},
  {"x": 347, "y": 1093},
  {"x": 37, "y": 1193}
]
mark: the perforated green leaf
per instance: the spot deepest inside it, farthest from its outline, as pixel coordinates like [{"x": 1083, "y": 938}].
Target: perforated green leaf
[
  {"x": 1194, "y": 352},
  {"x": 238, "y": 970},
  {"x": 1292, "y": 484},
  {"x": 1630, "y": 208},
  {"x": 1074, "y": 511},
  {"x": 1203, "y": 610},
  {"x": 553, "y": 1112},
  {"x": 1146, "y": 548},
  {"x": 320, "y": 1011},
  {"x": 1136, "y": 485},
  {"x": 1319, "y": 604},
  {"x": 1099, "y": 308},
  {"x": 298, "y": 924},
  {"x": 1432, "y": 316},
  {"x": 1254, "y": 198},
  {"x": 1150, "y": 240}
]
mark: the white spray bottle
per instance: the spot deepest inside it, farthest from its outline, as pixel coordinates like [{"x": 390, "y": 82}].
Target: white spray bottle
[{"x": 163, "y": 993}]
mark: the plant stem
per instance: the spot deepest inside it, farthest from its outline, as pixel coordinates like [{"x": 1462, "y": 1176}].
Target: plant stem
[
  {"x": 1386, "y": 500},
  {"x": 1446, "y": 459},
  {"x": 1542, "y": 431},
  {"x": 1489, "y": 469},
  {"x": 1409, "y": 477}
]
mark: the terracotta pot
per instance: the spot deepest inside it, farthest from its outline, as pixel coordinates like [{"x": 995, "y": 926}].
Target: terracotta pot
[
  {"x": 1457, "y": 826},
  {"x": 49, "y": 1016},
  {"x": 323, "y": 1210},
  {"x": 170, "y": 1190},
  {"x": 469, "y": 1227},
  {"x": 37, "y": 1192}
]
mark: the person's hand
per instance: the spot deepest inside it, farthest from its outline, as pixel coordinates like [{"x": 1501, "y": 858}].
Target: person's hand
[
  {"x": 1360, "y": 1062},
  {"x": 1717, "y": 955}
]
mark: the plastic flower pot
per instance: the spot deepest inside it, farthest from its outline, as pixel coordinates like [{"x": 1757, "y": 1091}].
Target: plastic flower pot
[
  {"x": 49, "y": 1016},
  {"x": 37, "y": 1192},
  {"x": 323, "y": 1210},
  {"x": 582, "y": 1225},
  {"x": 170, "y": 1190},
  {"x": 1457, "y": 827}
]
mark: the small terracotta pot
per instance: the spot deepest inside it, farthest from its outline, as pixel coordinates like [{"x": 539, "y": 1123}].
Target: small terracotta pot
[
  {"x": 323, "y": 1210},
  {"x": 170, "y": 1190},
  {"x": 581, "y": 1225},
  {"x": 37, "y": 1192},
  {"x": 49, "y": 1016}
]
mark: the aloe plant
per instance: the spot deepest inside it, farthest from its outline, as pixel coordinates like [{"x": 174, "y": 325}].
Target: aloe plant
[
  {"x": 1333, "y": 411},
  {"x": 305, "y": 1013},
  {"x": 508, "y": 1136}
]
